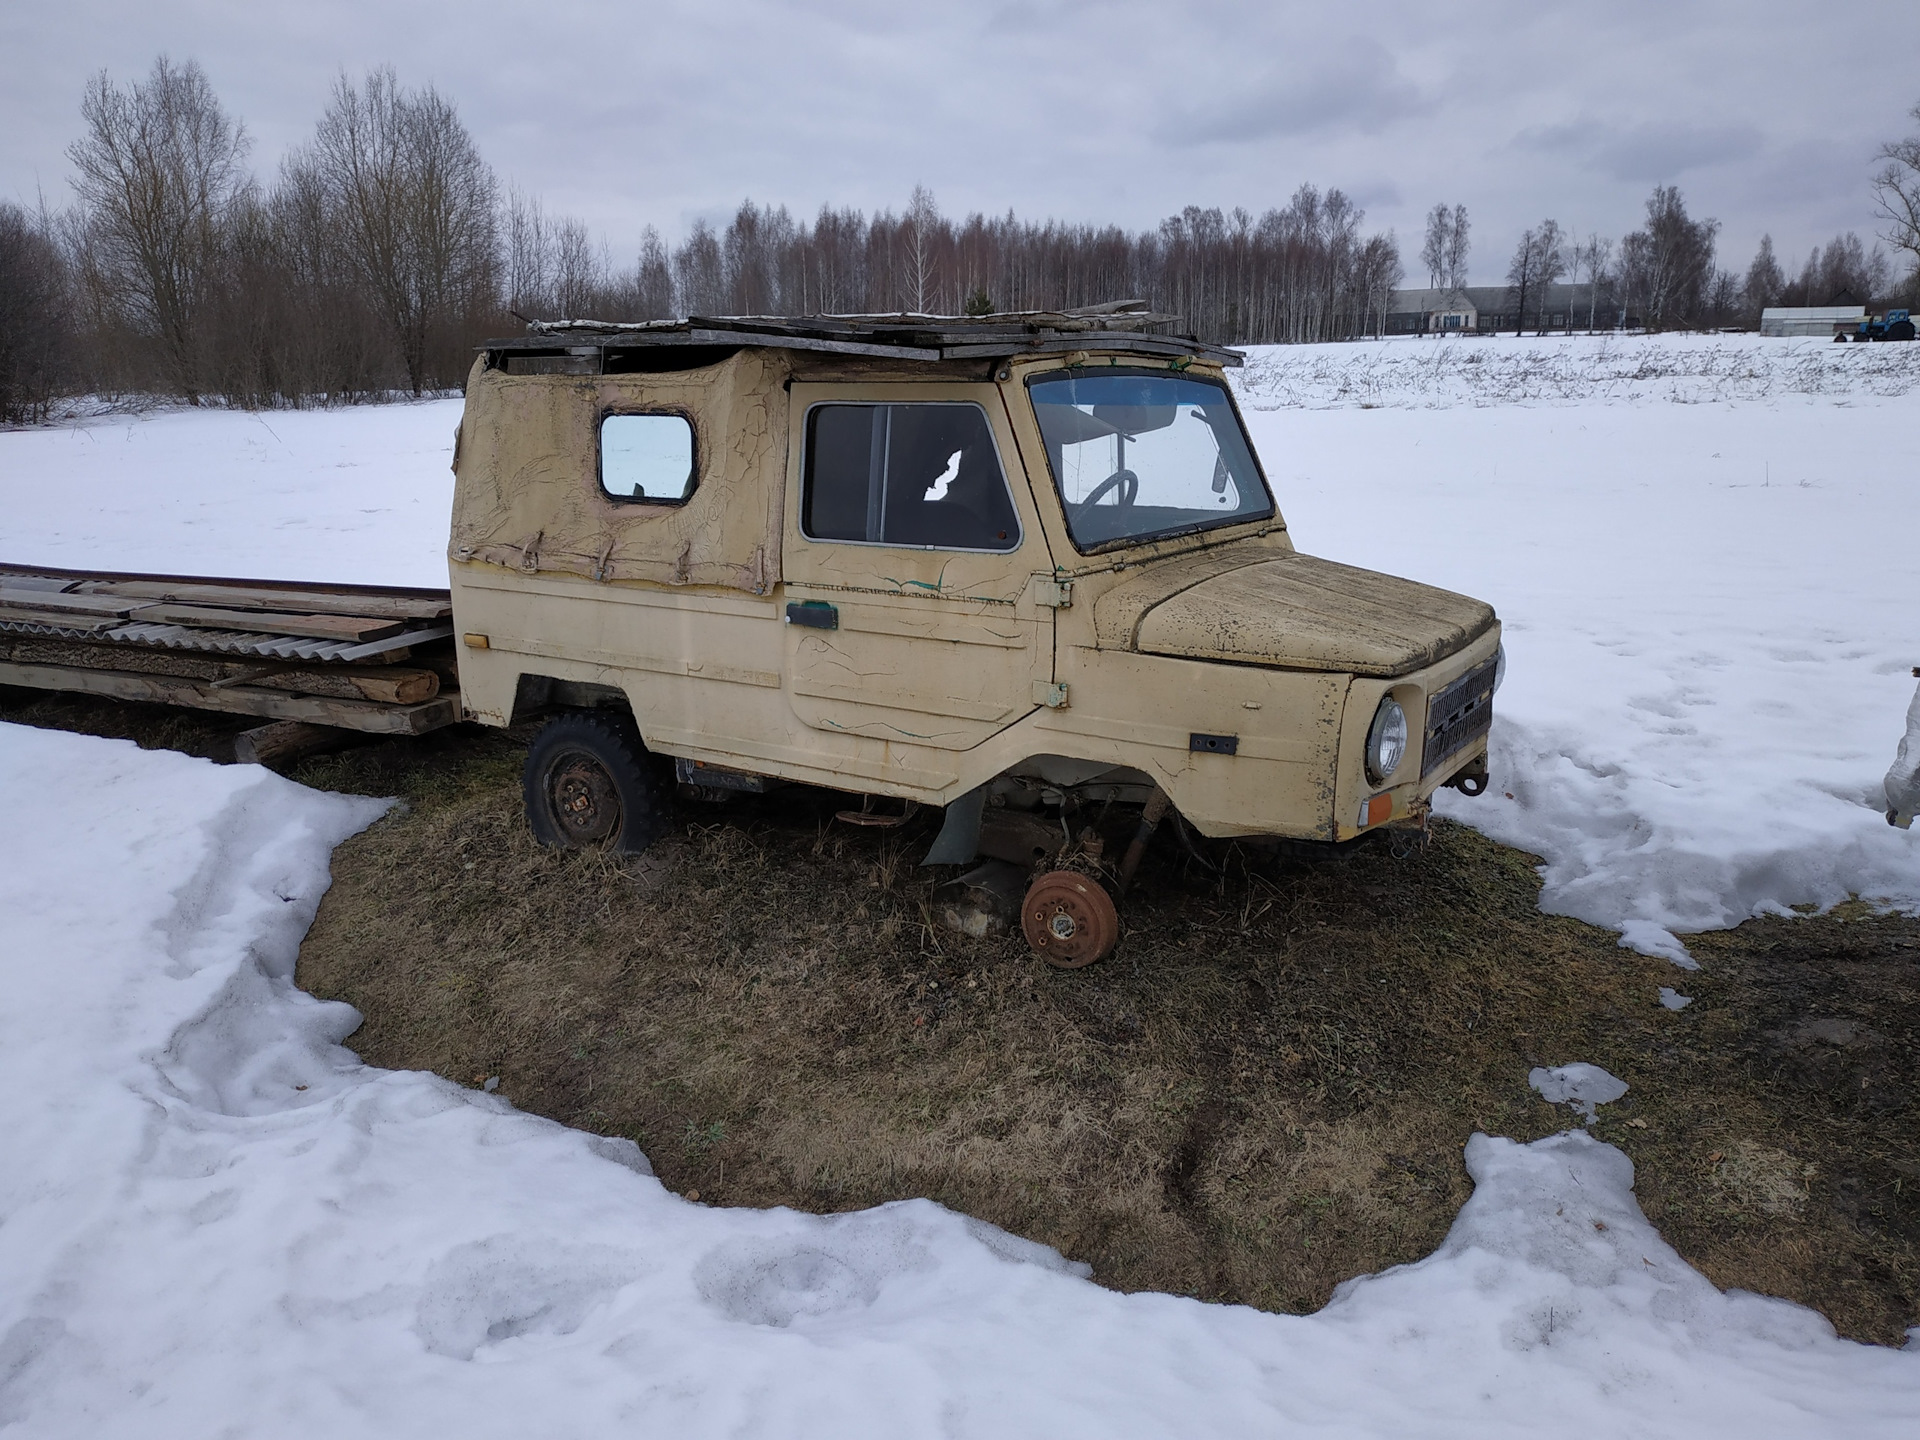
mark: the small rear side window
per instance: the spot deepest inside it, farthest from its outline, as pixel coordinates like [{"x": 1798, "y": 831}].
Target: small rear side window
[{"x": 647, "y": 458}]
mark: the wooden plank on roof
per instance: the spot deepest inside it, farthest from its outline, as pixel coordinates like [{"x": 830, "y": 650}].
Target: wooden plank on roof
[
  {"x": 1066, "y": 345},
  {"x": 365, "y": 715},
  {"x": 312, "y": 627},
  {"x": 21, "y": 598},
  {"x": 911, "y": 337},
  {"x": 290, "y": 600},
  {"x": 808, "y": 342},
  {"x": 89, "y": 624}
]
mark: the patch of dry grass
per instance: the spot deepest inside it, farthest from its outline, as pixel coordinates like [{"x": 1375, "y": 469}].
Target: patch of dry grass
[{"x": 1264, "y": 1092}]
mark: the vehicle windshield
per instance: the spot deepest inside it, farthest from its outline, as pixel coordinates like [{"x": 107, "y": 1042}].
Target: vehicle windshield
[{"x": 1139, "y": 456}]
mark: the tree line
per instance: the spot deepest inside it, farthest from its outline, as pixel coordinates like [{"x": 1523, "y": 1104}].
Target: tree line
[
  {"x": 1666, "y": 276},
  {"x": 385, "y": 249}
]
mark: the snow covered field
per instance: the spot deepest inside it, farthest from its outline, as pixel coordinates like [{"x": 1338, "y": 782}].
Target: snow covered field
[
  {"x": 357, "y": 496},
  {"x": 1702, "y": 552},
  {"x": 213, "y": 1220},
  {"x": 1701, "y": 547}
]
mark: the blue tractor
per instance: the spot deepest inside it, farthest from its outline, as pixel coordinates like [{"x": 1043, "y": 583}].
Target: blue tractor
[{"x": 1894, "y": 325}]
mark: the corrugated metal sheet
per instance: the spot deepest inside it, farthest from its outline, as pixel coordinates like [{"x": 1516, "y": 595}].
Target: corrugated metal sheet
[
  {"x": 52, "y": 629},
  {"x": 234, "y": 642}
]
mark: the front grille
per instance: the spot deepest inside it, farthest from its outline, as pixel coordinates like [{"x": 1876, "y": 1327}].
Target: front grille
[{"x": 1457, "y": 716}]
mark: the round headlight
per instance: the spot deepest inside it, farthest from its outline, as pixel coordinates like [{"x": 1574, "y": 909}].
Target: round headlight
[{"x": 1386, "y": 740}]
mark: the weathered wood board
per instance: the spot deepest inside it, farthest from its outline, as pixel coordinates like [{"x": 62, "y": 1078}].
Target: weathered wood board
[
  {"x": 57, "y": 601},
  {"x": 315, "y": 627},
  {"x": 365, "y": 715},
  {"x": 290, "y": 600},
  {"x": 282, "y": 740},
  {"x": 390, "y": 684},
  {"x": 22, "y": 615}
]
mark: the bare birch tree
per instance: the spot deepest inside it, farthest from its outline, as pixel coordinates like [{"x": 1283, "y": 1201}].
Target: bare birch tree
[
  {"x": 1549, "y": 264},
  {"x": 414, "y": 204},
  {"x": 580, "y": 271},
  {"x": 1668, "y": 265},
  {"x": 1433, "y": 250},
  {"x": 158, "y": 170},
  {"x": 1459, "y": 244},
  {"x": 1592, "y": 255},
  {"x": 1764, "y": 283},
  {"x": 699, "y": 273},
  {"x": 923, "y": 218},
  {"x": 1896, "y": 193},
  {"x": 528, "y": 255},
  {"x": 653, "y": 287},
  {"x": 35, "y": 343},
  {"x": 1523, "y": 275}
]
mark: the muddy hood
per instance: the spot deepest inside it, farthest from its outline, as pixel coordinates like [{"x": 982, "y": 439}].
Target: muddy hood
[{"x": 1293, "y": 611}]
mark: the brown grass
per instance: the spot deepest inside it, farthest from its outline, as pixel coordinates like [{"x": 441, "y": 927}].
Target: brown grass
[{"x": 1263, "y": 1093}]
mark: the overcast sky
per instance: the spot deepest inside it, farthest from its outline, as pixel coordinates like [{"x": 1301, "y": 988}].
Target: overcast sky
[{"x": 1765, "y": 112}]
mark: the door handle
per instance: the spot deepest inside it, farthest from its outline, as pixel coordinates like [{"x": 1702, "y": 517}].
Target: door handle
[{"x": 814, "y": 614}]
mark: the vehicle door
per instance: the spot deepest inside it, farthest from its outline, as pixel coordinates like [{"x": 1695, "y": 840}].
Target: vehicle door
[{"x": 917, "y": 577}]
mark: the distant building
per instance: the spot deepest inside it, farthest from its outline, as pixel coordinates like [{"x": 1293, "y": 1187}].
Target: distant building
[
  {"x": 1484, "y": 309},
  {"x": 1821, "y": 321}
]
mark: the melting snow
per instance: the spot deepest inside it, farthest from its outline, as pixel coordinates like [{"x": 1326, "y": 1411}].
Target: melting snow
[
  {"x": 214, "y": 1220},
  {"x": 1692, "y": 543},
  {"x": 1902, "y": 785},
  {"x": 1584, "y": 1087}
]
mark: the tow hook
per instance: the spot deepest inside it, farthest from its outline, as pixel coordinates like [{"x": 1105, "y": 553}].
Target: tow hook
[{"x": 1472, "y": 780}]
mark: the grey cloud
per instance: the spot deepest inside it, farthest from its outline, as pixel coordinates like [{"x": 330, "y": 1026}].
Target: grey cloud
[
  {"x": 1647, "y": 152},
  {"x": 1378, "y": 191},
  {"x": 1354, "y": 85},
  {"x": 1115, "y": 111}
]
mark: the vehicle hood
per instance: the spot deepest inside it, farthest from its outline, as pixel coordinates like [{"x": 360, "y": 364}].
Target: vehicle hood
[{"x": 1294, "y": 611}]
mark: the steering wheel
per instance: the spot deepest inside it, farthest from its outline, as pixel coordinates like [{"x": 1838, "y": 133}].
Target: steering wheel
[{"x": 1124, "y": 481}]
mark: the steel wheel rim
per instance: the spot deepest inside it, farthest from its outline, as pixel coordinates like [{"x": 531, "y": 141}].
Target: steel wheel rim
[{"x": 583, "y": 800}]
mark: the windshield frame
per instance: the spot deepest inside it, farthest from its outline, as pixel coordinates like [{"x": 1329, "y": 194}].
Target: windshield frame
[{"x": 1054, "y": 374}]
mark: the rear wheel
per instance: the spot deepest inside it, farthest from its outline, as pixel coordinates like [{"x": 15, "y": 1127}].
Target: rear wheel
[{"x": 586, "y": 782}]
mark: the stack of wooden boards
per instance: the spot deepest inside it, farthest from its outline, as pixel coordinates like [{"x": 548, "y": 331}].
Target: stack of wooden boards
[{"x": 341, "y": 657}]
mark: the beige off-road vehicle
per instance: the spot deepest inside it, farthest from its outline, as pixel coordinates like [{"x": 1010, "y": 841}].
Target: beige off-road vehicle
[{"x": 1027, "y": 568}]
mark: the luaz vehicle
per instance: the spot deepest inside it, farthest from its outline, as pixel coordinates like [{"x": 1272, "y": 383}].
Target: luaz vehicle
[{"x": 1026, "y": 568}]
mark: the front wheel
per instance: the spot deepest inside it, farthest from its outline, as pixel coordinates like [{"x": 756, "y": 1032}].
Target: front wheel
[
  {"x": 1069, "y": 919},
  {"x": 586, "y": 782}
]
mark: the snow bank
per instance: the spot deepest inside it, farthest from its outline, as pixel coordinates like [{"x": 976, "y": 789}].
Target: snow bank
[
  {"x": 1902, "y": 785},
  {"x": 1578, "y": 369},
  {"x": 359, "y": 495},
  {"x": 1708, "y": 610},
  {"x": 213, "y": 1220}
]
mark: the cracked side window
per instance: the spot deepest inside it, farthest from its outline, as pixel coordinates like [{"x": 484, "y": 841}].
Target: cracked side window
[{"x": 923, "y": 475}]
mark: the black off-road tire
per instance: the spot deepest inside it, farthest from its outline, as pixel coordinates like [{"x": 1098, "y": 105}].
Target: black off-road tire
[{"x": 587, "y": 782}]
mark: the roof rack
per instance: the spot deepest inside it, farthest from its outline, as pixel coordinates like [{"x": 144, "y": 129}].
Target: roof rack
[{"x": 1125, "y": 325}]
